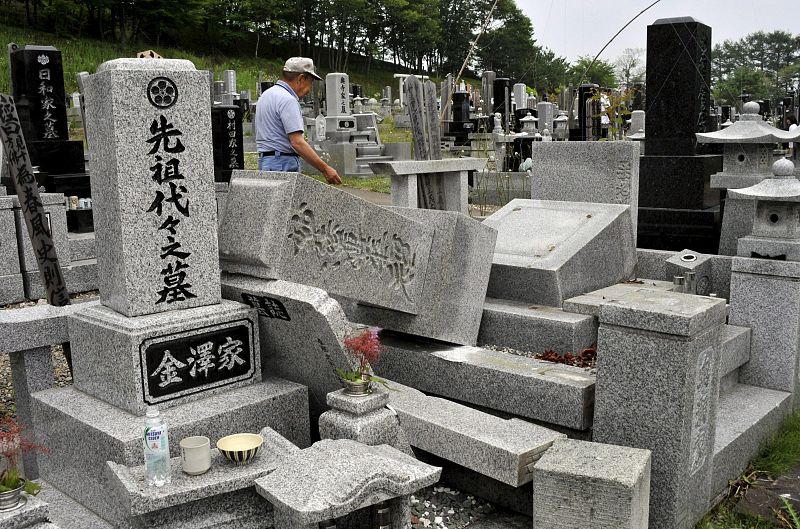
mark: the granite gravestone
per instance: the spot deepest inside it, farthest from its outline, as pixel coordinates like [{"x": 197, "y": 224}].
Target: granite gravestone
[
  {"x": 677, "y": 207},
  {"x": 37, "y": 82},
  {"x": 11, "y": 290},
  {"x": 228, "y": 138},
  {"x": 320, "y": 236},
  {"x": 548, "y": 251},
  {"x": 156, "y": 219},
  {"x": 587, "y": 171}
]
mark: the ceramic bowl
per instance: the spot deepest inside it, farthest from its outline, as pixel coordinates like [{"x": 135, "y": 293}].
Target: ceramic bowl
[{"x": 240, "y": 448}]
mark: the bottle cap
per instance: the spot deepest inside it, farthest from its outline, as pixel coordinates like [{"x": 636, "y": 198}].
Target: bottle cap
[{"x": 152, "y": 411}]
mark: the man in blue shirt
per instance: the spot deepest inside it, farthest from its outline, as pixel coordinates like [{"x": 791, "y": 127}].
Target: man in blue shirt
[{"x": 280, "y": 126}]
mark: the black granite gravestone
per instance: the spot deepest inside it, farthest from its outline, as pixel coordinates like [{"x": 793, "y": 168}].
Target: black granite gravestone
[
  {"x": 228, "y": 140},
  {"x": 37, "y": 84},
  {"x": 677, "y": 207}
]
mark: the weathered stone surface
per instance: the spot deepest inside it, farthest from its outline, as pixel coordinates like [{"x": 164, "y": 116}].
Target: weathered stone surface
[
  {"x": 735, "y": 348},
  {"x": 549, "y": 251},
  {"x": 321, "y": 236},
  {"x": 582, "y": 484},
  {"x": 455, "y": 284},
  {"x": 301, "y": 332},
  {"x": 41, "y": 325},
  {"x": 334, "y": 478},
  {"x": 149, "y": 125},
  {"x": 56, "y": 217},
  {"x": 503, "y": 449},
  {"x": 9, "y": 254},
  {"x": 533, "y": 389},
  {"x": 670, "y": 407},
  {"x": 587, "y": 171}
]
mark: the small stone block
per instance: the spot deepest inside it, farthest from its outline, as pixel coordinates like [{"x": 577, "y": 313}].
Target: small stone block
[
  {"x": 580, "y": 484},
  {"x": 358, "y": 405},
  {"x": 735, "y": 348},
  {"x": 32, "y": 512},
  {"x": 689, "y": 261}
]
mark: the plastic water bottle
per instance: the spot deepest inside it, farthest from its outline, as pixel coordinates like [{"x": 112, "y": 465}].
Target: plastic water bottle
[{"x": 156, "y": 449}]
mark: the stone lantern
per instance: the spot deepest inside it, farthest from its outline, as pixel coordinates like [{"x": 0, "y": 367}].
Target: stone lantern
[
  {"x": 529, "y": 124},
  {"x": 776, "y": 224},
  {"x": 561, "y": 126},
  {"x": 748, "y": 157}
]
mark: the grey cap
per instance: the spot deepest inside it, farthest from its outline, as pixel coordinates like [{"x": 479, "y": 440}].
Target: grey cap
[{"x": 301, "y": 65}]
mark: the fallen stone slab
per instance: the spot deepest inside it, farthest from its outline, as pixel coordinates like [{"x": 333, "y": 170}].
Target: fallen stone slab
[
  {"x": 525, "y": 387},
  {"x": 503, "y": 449}
]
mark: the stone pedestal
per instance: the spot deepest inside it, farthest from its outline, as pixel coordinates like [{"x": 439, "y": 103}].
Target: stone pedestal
[
  {"x": 657, "y": 387},
  {"x": 580, "y": 484}
]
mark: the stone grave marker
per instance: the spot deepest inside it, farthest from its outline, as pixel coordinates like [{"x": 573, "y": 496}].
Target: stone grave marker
[
  {"x": 321, "y": 236},
  {"x": 578, "y": 171},
  {"x": 153, "y": 161},
  {"x": 549, "y": 251}
]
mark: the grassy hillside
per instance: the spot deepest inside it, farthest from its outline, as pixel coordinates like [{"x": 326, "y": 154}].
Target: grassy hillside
[{"x": 81, "y": 54}]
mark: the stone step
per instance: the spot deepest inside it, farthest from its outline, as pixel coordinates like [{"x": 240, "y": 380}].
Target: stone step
[
  {"x": 535, "y": 328},
  {"x": 734, "y": 354},
  {"x": 746, "y": 417},
  {"x": 525, "y": 387},
  {"x": 32, "y": 511},
  {"x": 502, "y": 449}
]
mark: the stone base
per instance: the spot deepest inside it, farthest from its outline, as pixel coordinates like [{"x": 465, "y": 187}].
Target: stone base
[
  {"x": 82, "y": 433},
  {"x": 163, "y": 358},
  {"x": 11, "y": 289},
  {"x": 535, "y": 328},
  {"x": 769, "y": 247},
  {"x": 737, "y": 221},
  {"x": 678, "y": 229}
]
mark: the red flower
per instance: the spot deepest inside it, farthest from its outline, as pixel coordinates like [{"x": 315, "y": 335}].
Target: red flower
[
  {"x": 366, "y": 347},
  {"x": 13, "y": 442}
]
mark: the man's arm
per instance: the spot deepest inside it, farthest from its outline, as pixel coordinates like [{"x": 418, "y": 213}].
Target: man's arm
[{"x": 307, "y": 153}]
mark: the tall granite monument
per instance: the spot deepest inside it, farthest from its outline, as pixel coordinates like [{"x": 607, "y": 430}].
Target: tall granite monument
[{"x": 677, "y": 207}]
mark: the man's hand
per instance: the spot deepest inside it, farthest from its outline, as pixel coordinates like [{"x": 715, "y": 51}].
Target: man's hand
[{"x": 331, "y": 176}]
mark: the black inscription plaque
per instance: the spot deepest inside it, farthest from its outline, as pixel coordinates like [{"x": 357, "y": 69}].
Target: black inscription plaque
[
  {"x": 180, "y": 364},
  {"x": 267, "y": 307}
]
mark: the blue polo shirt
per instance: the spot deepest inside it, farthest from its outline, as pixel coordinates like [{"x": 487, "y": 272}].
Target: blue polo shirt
[{"x": 278, "y": 114}]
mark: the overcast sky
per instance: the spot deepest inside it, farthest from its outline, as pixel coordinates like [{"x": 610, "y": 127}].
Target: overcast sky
[{"x": 572, "y": 28}]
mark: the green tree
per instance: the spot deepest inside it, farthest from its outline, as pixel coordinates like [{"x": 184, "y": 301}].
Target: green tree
[
  {"x": 600, "y": 72},
  {"x": 508, "y": 47}
]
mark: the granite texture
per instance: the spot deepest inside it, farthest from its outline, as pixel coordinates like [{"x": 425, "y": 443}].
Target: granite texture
[
  {"x": 447, "y": 165},
  {"x": 12, "y": 289},
  {"x": 40, "y": 325},
  {"x": 301, "y": 332},
  {"x": 747, "y": 416},
  {"x": 549, "y": 251},
  {"x": 138, "y": 201},
  {"x": 334, "y": 478},
  {"x": 68, "y": 513},
  {"x": 324, "y": 237},
  {"x": 587, "y": 171},
  {"x": 110, "y": 354},
  {"x": 241, "y": 509},
  {"x": 769, "y": 248},
  {"x": 668, "y": 408},
  {"x": 735, "y": 350},
  {"x": 663, "y": 312},
  {"x": 82, "y": 246},
  {"x": 502, "y": 449},
  {"x": 83, "y": 433},
  {"x": 652, "y": 264},
  {"x": 589, "y": 304},
  {"x": 31, "y": 371},
  {"x": 455, "y": 284},
  {"x": 689, "y": 261},
  {"x": 80, "y": 276},
  {"x": 56, "y": 212},
  {"x": 137, "y": 498},
  {"x": 378, "y": 426},
  {"x": 358, "y": 405},
  {"x": 33, "y": 512},
  {"x": 535, "y": 328},
  {"x": 9, "y": 252},
  {"x": 528, "y": 388},
  {"x": 765, "y": 296},
  {"x": 582, "y": 484}
]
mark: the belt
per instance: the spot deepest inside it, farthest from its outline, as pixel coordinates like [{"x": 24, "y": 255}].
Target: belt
[{"x": 274, "y": 153}]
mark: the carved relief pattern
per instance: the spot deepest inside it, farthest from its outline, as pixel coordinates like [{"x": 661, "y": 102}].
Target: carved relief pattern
[
  {"x": 704, "y": 95},
  {"x": 622, "y": 177},
  {"x": 336, "y": 245},
  {"x": 700, "y": 438}
]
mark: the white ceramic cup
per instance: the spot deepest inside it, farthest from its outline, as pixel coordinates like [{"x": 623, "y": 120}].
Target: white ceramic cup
[{"x": 195, "y": 454}]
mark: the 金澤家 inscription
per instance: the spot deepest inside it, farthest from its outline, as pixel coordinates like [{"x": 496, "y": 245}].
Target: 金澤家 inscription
[
  {"x": 177, "y": 365},
  {"x": 170, "y": 202},
  {"x": 337, "y": 244}
]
